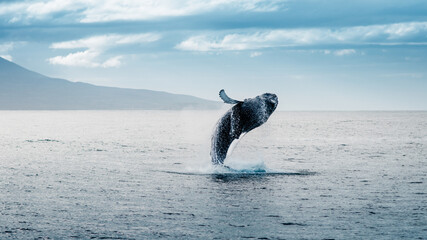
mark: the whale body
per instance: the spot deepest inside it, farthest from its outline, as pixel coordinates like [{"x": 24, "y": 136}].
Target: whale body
[{"x": 240, "y": 119}]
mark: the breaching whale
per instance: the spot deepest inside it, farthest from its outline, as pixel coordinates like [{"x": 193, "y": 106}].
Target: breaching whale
[{"x": 240, "y": 119}]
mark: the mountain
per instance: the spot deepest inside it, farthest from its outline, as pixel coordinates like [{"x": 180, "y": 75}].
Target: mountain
[{"x": 22, "y": 89}]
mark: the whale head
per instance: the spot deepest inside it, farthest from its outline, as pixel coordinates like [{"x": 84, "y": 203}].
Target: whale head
[{"x": 271, "y": 101}]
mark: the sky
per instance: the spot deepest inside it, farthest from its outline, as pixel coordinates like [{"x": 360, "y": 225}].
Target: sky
[{"x": 315, "y": 55}]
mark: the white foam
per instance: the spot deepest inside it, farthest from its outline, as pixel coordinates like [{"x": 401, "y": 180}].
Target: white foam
[
  {"x": 244, "y": 165},
  {"x": 232, "y": 165}
]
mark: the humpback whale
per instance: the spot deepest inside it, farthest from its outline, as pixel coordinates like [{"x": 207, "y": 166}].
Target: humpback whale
[{"x": 240, "y": 119}]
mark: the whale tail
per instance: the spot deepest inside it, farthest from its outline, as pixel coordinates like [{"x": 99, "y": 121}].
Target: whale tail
[{"x": 226, "y": 98}]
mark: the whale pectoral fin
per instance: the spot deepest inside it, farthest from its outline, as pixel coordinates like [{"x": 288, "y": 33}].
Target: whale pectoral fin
[
  {"x": 226, "y": 98},
  {"x": 236, "y": 125}
]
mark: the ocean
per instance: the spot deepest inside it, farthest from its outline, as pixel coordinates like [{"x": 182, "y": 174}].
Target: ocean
[{"x": 147, "y": 175}]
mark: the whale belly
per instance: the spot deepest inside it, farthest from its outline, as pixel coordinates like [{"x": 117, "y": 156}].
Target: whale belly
[{"x": 221, "y": 139}]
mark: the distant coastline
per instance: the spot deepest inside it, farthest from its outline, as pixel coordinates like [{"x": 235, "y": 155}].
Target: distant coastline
[{"x": 22, "y": 89}]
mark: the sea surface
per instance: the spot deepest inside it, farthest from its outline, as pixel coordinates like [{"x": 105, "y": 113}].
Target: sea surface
[{"x": 147, "y": 175}]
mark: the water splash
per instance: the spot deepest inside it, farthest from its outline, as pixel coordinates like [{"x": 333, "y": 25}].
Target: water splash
[
  {"x": 234, "y": 166},
  {"x": 245, "y": 166}
]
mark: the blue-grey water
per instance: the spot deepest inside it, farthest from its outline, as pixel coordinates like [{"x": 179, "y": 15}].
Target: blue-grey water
[{"x": 147, "y": 175}]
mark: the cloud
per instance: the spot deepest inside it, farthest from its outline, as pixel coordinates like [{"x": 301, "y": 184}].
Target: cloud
[
  {"x": 85, "y": 59},
  {"x": 255, "y": 54},
  {"x": 107, "y": 41},
  {"x": 114, "y": 10},
  {"x": 4, "y": 50},
  {"x": 343, "y": 52},
  {"x": 95, "y": 46},
  {"x": 24, "y": 11},
  {"x": 112, "y": 62},
  {"x": 398, "y": 33},
  {"x": 78, "y": 59},
  {"x": 128, "y": 10},
  {"x": 4, "y": 47}
]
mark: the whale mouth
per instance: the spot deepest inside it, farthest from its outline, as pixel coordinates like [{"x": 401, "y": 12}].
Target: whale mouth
[{"x": 273, "y": 99}]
